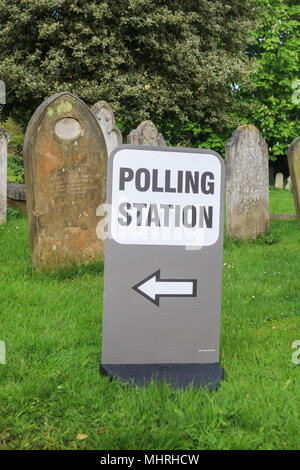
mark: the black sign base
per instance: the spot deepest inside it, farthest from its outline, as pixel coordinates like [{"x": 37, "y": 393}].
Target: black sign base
[{"x": 177, "y": 375}]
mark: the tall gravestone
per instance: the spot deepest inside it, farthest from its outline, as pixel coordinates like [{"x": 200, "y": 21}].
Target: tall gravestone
[
  {"x": 65, "y": 160},
  {"x": 294, "y": 166},
  {"x": 4, "y": 139},
  {"x": 279, "y": 181},
  {"x": 106, "y": 119},
  {"x": 146, "y": 134},
  {"x": 247, "y": 184}
]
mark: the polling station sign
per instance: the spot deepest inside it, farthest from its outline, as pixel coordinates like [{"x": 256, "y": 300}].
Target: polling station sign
[
  {"x": 165, "y": 198},
  {"x": 163, "y": 265}
]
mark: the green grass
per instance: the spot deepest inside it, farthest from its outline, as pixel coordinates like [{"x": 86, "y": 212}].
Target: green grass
[
  {"x": 51, "y": 389},
  {"x": 281, "y": 201}
]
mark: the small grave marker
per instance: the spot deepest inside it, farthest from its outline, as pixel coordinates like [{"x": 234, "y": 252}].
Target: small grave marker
[
  {"x": 146, "y": 134},
  {"x": 279, "y": 181}
]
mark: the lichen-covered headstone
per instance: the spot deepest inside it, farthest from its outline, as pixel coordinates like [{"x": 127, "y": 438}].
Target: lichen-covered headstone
[
  {"x": 288, "y": 185},
  {"x": 279, "y": 181},
  {"x": 106, "y": 119},
  {"x": 4, "y": 139},
  {"x": 65, "y": 159},
  {"x": 146, "y": 134},
  {"x": 294, "y": 166},
  {"x": 247, "y": 184}
]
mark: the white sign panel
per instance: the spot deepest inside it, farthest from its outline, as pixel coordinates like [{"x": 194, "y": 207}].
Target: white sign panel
[{"x": 165, "y": 198}]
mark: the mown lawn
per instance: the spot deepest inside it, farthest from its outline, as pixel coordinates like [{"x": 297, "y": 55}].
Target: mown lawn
[
  {"x": 281, "y": 201},
  {"x": 51, "y": 391}
]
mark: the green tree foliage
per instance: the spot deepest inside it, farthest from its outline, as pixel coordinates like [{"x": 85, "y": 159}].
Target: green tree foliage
[
  {"x": 171, "y": 61},
  {"x": 275, "y": 96},
  {"x": 271, "y": 99}
]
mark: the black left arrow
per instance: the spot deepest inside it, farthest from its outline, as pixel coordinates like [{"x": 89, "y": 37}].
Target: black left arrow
[{"x": 153, "y": 287}]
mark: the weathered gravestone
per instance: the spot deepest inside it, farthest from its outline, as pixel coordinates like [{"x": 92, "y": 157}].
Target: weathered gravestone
[
  {"x": 106, "y": 119},
  {"x": 65, "y": 159},
  {"x": 4, "y": 139},
  {"x": 16, "y": 196},
  {"x": 294, "y": 166},
  {"x": 146, "y": 134},
  {"x": 247, "y": 184},
  {"x": 279, "y": 181},
  {"x": 288, "y": 185}
]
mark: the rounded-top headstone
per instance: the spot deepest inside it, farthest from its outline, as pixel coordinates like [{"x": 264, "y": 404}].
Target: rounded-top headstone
[
  {"x": 279, "y": 180},
  {"x": 247, "y": 184},
  {"x": 106, "y": 119},
  {"x": 294, "y": 166},
  {"x": 65, "y": 159},
  {"x": 146, "y": 134}
]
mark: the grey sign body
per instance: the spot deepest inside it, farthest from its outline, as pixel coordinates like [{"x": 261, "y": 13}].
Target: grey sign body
[{"x": 163, "y": 268}]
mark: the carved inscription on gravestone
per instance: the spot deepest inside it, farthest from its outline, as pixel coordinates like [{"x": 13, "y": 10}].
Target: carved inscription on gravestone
[{"x": 65, "y": 160}]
